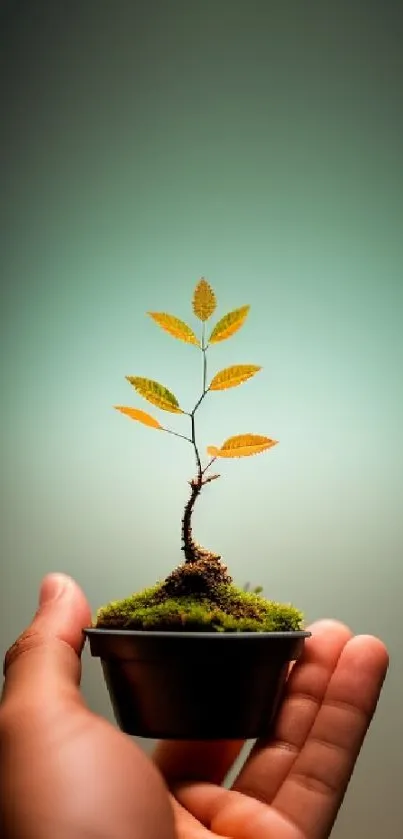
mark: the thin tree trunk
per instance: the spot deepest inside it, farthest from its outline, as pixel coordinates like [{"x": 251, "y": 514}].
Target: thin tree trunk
[{"x": 193, "y": 552}]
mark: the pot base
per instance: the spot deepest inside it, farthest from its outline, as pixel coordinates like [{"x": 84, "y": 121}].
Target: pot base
[{"x": 195, "y": 685}]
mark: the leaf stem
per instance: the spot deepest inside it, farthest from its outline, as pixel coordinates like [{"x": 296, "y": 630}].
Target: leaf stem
[
  {"x": 204, "y": 350},
  {"x": 205, "y": 389},
  {"x": 208, "y": 465},
  {"x": 175, "y": 434}
]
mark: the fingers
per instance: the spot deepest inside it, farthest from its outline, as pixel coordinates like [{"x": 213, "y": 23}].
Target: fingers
[
  {"x": 44, "y": 660},
  {"x": 211, "y": 762},
  {"x": 331, "y": 699},
  {"x": 314, "y": 789},
  {"x": 270, "y": 762}
]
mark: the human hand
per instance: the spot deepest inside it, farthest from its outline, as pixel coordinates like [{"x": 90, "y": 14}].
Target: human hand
[
  {"x": 292, "y": 785},
  {"x": 67, "y": 773}
]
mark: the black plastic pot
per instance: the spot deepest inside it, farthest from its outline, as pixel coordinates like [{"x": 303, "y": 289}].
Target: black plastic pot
[{"x": 195, "y": 685}]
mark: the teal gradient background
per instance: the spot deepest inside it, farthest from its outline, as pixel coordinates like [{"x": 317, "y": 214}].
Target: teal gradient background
[{"x": 258, "y": 144}]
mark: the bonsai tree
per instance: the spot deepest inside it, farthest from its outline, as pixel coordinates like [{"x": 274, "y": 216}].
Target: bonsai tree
[{"x": 199, "y": 594}]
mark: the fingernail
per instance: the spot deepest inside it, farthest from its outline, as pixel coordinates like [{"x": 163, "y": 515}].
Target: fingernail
[{"x": 51, "y": 588}]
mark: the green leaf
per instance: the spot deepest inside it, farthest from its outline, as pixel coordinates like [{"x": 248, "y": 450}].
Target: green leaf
[
  {"x": 175, "y": 327},
  {"x": 156, "y": 393},
  {"x": 229, "y": 324},
  {"x": 233, "y": 376}
]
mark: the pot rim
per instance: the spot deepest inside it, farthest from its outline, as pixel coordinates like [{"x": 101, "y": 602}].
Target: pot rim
[{"x": 160, "y": 633}]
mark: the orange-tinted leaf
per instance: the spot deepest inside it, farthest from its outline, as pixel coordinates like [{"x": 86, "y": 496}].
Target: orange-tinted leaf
[
  {"x": 229, "y": 324},
  {"x": 243, "y": 445},
  {"x": 140, "y": 416},
  {"x": 204, "y": 300},
  {"x": 233, "y": 376},
  {"x": 156, "y": 394},
  {"x": 175, "y": 327}
]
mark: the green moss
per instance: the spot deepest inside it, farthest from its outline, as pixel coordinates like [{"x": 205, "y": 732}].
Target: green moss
[{"x": 227, "y": 609}]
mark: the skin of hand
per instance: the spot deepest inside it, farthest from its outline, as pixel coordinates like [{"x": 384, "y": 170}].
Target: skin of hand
[{"x": 67, "y": 773}]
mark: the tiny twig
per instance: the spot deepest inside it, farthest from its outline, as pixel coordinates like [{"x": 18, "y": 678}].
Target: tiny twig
[
  {"x": 208, "y": 465},
  {"x": 210, "y": 478},
  {"x": 175, "y": 434}
]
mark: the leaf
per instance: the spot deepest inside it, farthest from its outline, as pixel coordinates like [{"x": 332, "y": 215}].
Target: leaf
[
  {"x": 140, "y": 416},
  {"x": 233, "y": 376},
  {"x": 175, "y": 327},
  {"x": 229, "y": 324},
  {"x": 212, "y": 451},
  {"x": 156, "y": 394},
  {"x": 204, "y": 300},
  {"x": 243, "y": 445}
]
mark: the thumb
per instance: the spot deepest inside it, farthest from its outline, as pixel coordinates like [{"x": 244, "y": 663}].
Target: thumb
[{"x": 45, "y": 660}]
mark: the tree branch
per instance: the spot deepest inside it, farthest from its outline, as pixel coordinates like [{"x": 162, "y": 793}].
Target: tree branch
[{"x": 198, "y": 461}]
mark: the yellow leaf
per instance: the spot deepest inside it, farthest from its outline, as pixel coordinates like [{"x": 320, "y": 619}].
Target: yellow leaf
[
  {"x": 243, "y": 445},
  {"x": 175, "y": 327},
  {"x": 156, "y": 394},
  {"x": 233, "y": 376},
  {"x": 140, "y": 416},
  {"x": 204, "y": 300},
  {"x": 229, "y": 324}
]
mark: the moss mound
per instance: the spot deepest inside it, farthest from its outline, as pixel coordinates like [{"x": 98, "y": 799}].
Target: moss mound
[{"x": 218, "y": 607}]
